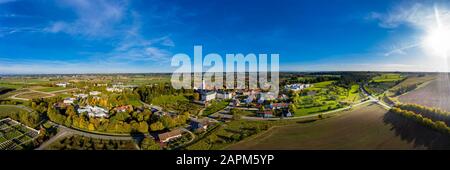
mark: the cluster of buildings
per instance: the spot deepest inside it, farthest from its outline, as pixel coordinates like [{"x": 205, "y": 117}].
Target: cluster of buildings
[
  {"x": 270, "y": 109},
  {"x": 297, "y": 87},
  {"x": 207, "y": 96},
  {"x": 94, "y": 111},
  {"x": 62, "y": 84},
  {"x": 120, "y": 87}
]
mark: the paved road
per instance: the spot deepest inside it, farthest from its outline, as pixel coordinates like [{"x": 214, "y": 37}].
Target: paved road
[{"x": 47, "y": 143}]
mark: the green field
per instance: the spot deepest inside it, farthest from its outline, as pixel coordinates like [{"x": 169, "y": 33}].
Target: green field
[
  {"x": 10, "y": 109},
  {"x": 367, "y": 127},
  {"x": 50, "y": 89},
  {"x": 391, "y": 77},
  {"x": 353, "y": 93}
]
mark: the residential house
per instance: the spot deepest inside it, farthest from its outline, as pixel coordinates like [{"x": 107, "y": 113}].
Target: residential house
[
  {"x": 224, "y": 95},
  {"x": 279, "y": 105},
  {"x": 122, "y": 108},
  {"x": 81, "y": 96},
  {"x": 94, "y": 93},
  {"x": 68, "y": 100},
  {"x": 114, "y": 89},
  {"x": 199, "y": 124},
  {"x": 168, "y": 136},
  {"x": 265, "y": 113}
]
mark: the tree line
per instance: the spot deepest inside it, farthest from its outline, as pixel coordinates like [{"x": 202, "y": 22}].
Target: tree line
[{"x": 436, "y": 125}]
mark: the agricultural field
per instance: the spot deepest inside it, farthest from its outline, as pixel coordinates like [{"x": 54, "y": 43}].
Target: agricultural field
[
  {"x": 411, "y": 83},
  {"x": 434, "y": 94},
  {"x": 379, "y": 84},
  {"x": 366, "y": 127}
]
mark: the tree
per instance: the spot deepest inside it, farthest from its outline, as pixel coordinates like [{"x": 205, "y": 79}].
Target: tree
[
  {"x": 68, "y": 122},
  {"x": 168, "y": 122},
  {"x": 292, "y": 108},
  {"x": 143, "y": 127},
  {"x": 149, "y": 144},
  {"x": 91, "y": 127},
  {"x": 157, "y": 126},
  {"x": 196, "y": 96},
  {"x": 70, "y": 111}
]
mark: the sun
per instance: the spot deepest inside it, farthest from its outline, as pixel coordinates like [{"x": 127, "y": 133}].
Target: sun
[{"x": 438, "y": 41}]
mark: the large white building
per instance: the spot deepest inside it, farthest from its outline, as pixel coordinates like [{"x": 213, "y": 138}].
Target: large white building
[
  {"x": 81, "y": 95},
  {"x": 224, "y": 95},
  {"x": 68, "y": 100},
  {"x": 62, "y": 84},
  {"x": 208, "y": 96},
  {"x": 94, "y": 93},
  {"x": 297, "y": 87},
  {"x": 94, "y": 111}
]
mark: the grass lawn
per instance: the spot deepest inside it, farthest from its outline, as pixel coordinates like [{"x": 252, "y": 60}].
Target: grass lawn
[
  {"x": 11, "y": 85},
  {"x": 322, "y": 84},
  {"x": 310, "y": 110},
  {"x": 33, "y": 95},
  {"x": 214, "y": 107},
  {"x": 10, "y": 109}
]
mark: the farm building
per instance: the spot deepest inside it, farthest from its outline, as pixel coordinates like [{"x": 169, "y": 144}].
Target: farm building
[{"x": 199, "y": 124}]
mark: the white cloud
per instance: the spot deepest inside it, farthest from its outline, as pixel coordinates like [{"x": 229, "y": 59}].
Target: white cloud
[
  {"x": 417, "y": 15},
  {"x": 113, "y": 21},
  {"x": 95, "y": 18}
]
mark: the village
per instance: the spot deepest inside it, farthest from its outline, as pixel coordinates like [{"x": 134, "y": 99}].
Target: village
[{"x": 254, "y": 102}]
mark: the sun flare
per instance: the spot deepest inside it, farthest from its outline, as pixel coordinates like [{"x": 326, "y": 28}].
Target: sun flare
[{"x": 438, "y": 40}]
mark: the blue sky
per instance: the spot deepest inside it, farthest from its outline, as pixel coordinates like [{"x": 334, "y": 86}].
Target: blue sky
[{"x": 107, "y": 36}]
